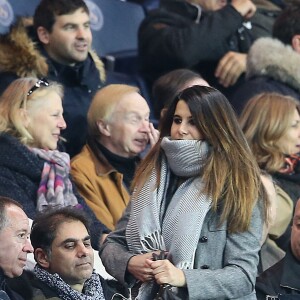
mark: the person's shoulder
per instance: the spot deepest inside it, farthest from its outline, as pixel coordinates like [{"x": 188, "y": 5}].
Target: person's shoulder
[
  {"x": 85, "y": 157},
  {"x": 268, "y": 282}
]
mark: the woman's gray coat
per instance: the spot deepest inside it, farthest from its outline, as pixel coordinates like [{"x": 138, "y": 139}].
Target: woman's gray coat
[{"x": 225, "y": 264}]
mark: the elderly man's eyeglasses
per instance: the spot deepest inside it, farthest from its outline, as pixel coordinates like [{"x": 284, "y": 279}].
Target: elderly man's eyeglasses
[{"x": 38, "y": 84}]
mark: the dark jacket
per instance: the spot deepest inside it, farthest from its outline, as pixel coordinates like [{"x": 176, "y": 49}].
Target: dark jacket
[
  {"x": 21, "y": 55},
  {"x": 291, "y": 185},
  {"x": 31, "y": 288},
  {"x": 5, "y": 292},
  {"x": 20, "y": 176},
  {"x": 170, "y": 38},
  {"x": 282, "y": 278},
  {"x": 271, "y": 67}
]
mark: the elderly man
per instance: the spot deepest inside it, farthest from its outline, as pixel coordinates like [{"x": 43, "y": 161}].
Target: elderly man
[
  {"x": 118, "y": 131},
  {"x": 281, "y": 281},
  {"x": 14, "y": 244},
  {"x": 57, "y": 47}
]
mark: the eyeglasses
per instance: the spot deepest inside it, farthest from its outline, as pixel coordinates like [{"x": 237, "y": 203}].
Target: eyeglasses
[{"x": 38, "y": 84}]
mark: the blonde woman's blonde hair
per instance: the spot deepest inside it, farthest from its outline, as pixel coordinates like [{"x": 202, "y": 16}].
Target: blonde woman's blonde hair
[
  {"x": 104, "y": 103},
  {"x": 15, "y": 99},
  {"x": 264, "y": 120}
]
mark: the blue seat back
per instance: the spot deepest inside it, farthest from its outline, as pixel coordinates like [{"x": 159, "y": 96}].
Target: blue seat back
[
  {"x": 10, "y": 9},
  {"x": 115, "y": 25}
]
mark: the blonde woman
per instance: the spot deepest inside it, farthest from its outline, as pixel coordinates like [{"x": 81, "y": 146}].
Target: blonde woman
[{"x": 32, "y": 170}]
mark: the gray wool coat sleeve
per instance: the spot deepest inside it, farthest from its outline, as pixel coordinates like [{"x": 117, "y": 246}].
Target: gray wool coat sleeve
[
  {"x": 225, "y": 264},
  {"x": 114, "y": 252}
]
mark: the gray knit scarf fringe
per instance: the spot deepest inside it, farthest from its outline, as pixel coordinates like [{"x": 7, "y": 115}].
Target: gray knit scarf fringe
[{"x": 179, "y": 231}]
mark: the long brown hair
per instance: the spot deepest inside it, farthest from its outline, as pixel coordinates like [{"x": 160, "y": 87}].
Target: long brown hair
[
  {"x": 264, "y": 120},
  {"x": 231, "y": 175}
]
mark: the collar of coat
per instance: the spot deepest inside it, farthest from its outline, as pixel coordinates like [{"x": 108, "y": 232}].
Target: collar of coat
[
  {"x": 19, "y": 53},
  {"x": 270, "y": 57},
  {"x": 291, "y": 272},
  {"x": 2, "y": 279}
]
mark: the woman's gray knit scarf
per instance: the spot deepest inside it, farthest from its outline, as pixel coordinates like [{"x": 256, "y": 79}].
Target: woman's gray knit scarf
[
  {"x": 92, "y": 289},
  {"x": 179, "y": 231}
]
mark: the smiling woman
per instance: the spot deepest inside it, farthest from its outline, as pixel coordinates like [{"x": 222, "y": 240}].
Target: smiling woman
[{"x": 32, "y": 170}]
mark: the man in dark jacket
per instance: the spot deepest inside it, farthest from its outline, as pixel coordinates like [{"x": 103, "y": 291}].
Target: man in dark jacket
[
  {"x": 283, "y": 277},
  {"x": 14, "y": 244},
  {"x": 273, "y": 63},
  {"x": 57, "y": 47},
  {"x": 65, "y": 259},
  {"x": 207, "y": 36}
]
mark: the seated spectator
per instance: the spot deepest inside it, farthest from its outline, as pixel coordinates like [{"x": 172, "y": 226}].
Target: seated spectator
[
  {"x": 271, "y": 124},
  {"x": 118, "y": 131},
  {"x": 272, "y": 64},
  {"x": 199, "y": 197},
  {"x": 281, "y": 281},
  {"x": 57, "y": 46},
  {"x": 167, "y": 87},
  {"x": 14, "y": 244},
  {"x": 32, "y": 171},
  {"x": 64, "y": 258},
  {"x": 191, "y": 34}
]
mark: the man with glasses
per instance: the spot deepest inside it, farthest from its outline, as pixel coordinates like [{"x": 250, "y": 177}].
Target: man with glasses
[
  {"x": 58, "y": 47},
  {"x": 118, "y": 132}
]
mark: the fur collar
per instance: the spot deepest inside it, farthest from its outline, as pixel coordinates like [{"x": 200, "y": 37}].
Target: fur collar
[
  {"x": 270, "y": 57},
  {"x": 20, "y": 55}
]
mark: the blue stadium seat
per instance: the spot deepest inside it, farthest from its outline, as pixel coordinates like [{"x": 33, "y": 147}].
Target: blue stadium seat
[
  {"x": 10, "y": 9},
  {"x": 115, "y": 26}
]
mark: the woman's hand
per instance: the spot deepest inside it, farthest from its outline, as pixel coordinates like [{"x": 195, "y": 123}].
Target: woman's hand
[
  {"x": 165, "y": 272},
  {"x": 139, "y": 268}
]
